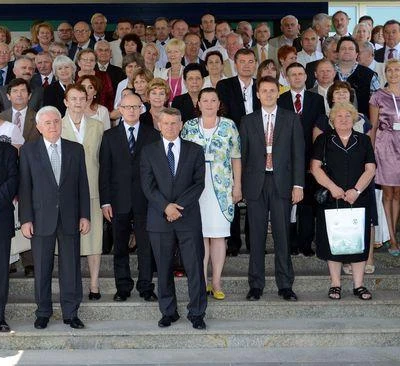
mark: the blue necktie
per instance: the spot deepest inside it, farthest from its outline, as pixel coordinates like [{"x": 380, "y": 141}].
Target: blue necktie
[
  {"x": 131, "y": 140},
  {"x": 171, "y": 159},
  {"x": 1, "y": 77}
]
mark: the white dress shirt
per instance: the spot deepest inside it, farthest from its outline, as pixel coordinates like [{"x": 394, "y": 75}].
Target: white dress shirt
[
  {"x": 79, "y": 134},
  {"x": 163, "y": 59},
  {"x": 304, "y": 58},
  {"x": 135, "y": 131},
  {"x": 22, "y": 118},
  {"x": 396, "y": 52},
  {"x": 247, "y": 93},
  {"x": 50, "y": 149},
  {"x": 301, "y": 99},
  {"x": 176, "y": 150},
  {"x": 266, "y": 116}
]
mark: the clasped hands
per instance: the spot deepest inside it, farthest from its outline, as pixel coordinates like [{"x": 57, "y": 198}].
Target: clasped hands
[
  {"x": 349, "y": 196},
  {"x": 173, "y": 212}
]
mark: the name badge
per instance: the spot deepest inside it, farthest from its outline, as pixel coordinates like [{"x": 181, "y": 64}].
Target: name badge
[
  {"x": 396, "y": 126},
  {"x": 209, "y": 157},
  {"x": 269, "y": 149}
]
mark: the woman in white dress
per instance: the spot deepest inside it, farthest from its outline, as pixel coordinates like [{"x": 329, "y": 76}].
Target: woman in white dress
[
  {"x": 93, "y": 108},
  {"x": 88, "y": 132},
  {"x": 219, "y": 138}
]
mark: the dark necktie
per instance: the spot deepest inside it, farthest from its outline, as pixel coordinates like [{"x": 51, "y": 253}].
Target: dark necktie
[
  {"x": 162, "y": 43},
  {"x": 131, "y": 140},
  {"x": 171, "y": 159},
  {"x": 1, "y": 77},
  {"x": 45, "y": 82},
  {"x": 297, "y": 103},
  {"x": 390, "y": 55}
]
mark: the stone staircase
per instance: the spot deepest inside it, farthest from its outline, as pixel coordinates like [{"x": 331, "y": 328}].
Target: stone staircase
[{"x": 313, "y": 321}]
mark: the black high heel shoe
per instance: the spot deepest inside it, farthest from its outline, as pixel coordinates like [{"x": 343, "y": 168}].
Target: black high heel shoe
[{"x": 94, "y": 295}]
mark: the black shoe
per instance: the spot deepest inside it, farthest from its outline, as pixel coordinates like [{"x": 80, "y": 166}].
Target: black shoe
[
  {"x": 29, "y": 271},
  {"x": 287, "y": 294},
  {"x": 75, "y": 323},
  {"x": 308, "y": 252},
  {"x": 232, "y": 252},
  {"x": 294, "y": 251},
  {"x": 197, "y": 322},
  {"x": 149, "y": 296},
  {"x": 94, "y": 295},
  {"x": 166, "y": 320},
  {"x": 4, "y": 327},
  {"x": 254, "y": 294},
  {"x": 41, "y": 322},
  {"x": 121, "y": 296}
]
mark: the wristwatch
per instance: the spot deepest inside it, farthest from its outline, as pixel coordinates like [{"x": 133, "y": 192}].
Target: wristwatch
[{"x": 358, "y": 192}]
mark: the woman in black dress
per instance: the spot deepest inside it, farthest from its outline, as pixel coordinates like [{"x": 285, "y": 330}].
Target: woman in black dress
[{"x": 350, "y": 167}]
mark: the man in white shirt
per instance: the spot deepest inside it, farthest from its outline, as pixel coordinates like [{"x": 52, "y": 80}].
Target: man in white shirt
[
  {"x": 262, "y": 49},
  {"x": 340, "y": 22},
  {"x": 391, "y": 49},
  {"x": 99, "y": 25},
  {"x": 309, "y": 53},
  {"x": 179, "y": 29},
  {"x": 124, "y": 26}
]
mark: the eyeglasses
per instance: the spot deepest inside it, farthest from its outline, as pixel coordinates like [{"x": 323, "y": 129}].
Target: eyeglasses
[
  {"x": 80, "y": 31},
  {"x": 131, "y": 107}
]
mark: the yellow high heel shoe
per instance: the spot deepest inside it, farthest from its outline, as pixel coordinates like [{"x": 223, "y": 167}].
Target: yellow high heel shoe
[{"x": 218, "y": 295}]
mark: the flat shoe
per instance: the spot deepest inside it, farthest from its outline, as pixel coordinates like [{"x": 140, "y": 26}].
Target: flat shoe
[
  {"x": 4, "y": 327},
  {"x": 218, "y": 295},
  {"x": 362, "y": 293},
  {"x": 369, "y": 269}
]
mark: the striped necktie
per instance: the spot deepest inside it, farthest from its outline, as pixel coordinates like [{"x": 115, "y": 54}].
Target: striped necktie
[{"x": 171, "y": 159}]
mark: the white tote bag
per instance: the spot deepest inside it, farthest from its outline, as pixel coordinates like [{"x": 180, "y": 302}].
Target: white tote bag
[
  {"x": 346, "y": 230},
  {"x": 19, "y": 243}
]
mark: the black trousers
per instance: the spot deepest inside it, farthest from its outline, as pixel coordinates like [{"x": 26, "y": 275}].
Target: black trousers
[
  {"x": 235, "y": 241},
  {"x": 69, "y": 264},
  {"x": 5, "y": 246},
  {"x": 122, "y": 229},
  {"x": 192, "y": 252},
  {"x": 258, "y": 210}
]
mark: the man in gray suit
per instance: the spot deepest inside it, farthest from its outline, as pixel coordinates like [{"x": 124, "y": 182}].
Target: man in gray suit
[
  {"x": 54, "y": 206},
  {"x": 272, "y": 179},
  {"x": 172, "y": 174}
]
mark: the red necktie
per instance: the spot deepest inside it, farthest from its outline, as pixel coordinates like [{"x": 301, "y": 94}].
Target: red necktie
[
  {"x": 45, "y": 82},
  {"x": 297, "y": 103},
  {"x": 390, "y": 55},
  {"x": 269, "y": 139}
]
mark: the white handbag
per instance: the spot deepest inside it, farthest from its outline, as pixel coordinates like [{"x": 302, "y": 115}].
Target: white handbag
[
  {"x": 346, "y": 230},
  {"x": 19, "y": 243}
]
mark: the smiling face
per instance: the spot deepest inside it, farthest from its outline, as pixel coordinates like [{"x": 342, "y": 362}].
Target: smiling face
[
  {"x": 268, "y": 94},
  {"x": 157, "y": 97},
  {"x": 343, "y": 121},
  {"x": 45, "y": 36},
  {"x": 170, "y": 126},
  {"x": 214, "y": 65},
  {"x": 64, "y": 73},
  {"x": 341, "y": 23},
  {"x": 209, "y": 104},
  {"x": 87, "y": 61},
  {"x": 245, "y": 65},
  {"x": 393, "y": 73},
  {"x": 90, "y": 89}
]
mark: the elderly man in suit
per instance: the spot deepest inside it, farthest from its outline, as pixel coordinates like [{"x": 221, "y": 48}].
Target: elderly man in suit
[
  {"x": 82, "y": 37},
  {"x": 6, "y": 66},
  {"x": 262, "y": 49},
  {"x": 8, "y": 190},
  {"x": 54, "y": 206},
  {"x": 18, "y": 93},
  {"x": 391, "y": 49},
  {"x": 272, "y": 179},
  {"x": 311, "y": 110},
  {"x": 172, "y": 173},
  {"x": 238, "y": 95},
  {"x": 290, "y": 28},
  {"x": 122, "y": 199},
  {"x": 44, "y": 64}
]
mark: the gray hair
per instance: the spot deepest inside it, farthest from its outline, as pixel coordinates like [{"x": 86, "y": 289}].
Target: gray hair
[
  {"x": 327, "y": 42},
  {"x": 238, "y": 36},
  {"x": 47, "y": 109},
  {"x": 102, "y": 42},
  {"x": 319, "y": 18},
  {"x": 172, "y": 112},
  {"x": 63, "y": 60},
  {"x": 22, "y": 58},
  {"x": 368, "y": 46},
  {"x": 289, "y": 17},
  {"x": 308, "y": 30}
]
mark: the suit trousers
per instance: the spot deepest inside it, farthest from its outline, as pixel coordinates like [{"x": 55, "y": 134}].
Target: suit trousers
[
  {"x": 235, "y": 241},
  {"x": 279, "y": 209},
  {"x": 122, "y": 229},
  {"x": 192, "y": 251},
  {"x": 69, "y": 267},
  {"x": 5, "y": 246}
]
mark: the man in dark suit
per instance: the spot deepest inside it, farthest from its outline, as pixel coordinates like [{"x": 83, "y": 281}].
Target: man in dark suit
[
  {"x": 272, "y": 179},
  {"x": 311, "y": 109},
  {"x": 8, "y": 190},
  {"x": 103, "y": 53},
  {"x": 82, "y": 37},
  {"x": 6, "y": 66},
  {"x": 54, "y": 205},
  {"x": 44, "y": 77},
  {"x": 391, "y": 49},
  {"x": 238, "y": 96},
  {"x": 172, "y": 173},
  {"x": 18, "y": 93},
  {"x": 122, "y": 199},
  {"x": 99, "y": 24}
]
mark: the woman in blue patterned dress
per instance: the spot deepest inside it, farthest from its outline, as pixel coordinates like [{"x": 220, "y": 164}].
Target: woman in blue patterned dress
[{"x": 219, "y": 138}]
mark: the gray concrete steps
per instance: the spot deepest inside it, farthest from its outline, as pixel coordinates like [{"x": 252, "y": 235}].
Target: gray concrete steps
[
  {"x": 135, "y": 334},
  {"x": 385, "y": 303}
]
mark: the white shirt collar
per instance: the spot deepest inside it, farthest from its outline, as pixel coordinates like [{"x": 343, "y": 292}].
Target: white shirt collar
[
  {"x": 22, "y": 111},
  {"x": 177, "y": 143},
  {"x": 48, "y": 143},
  {"x": 135, "y": 131},
  {"x": 264, "y": 112},
  {"x": 295, "y": 93}
]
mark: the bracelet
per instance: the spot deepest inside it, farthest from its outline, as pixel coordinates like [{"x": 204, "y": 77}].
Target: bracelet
[{"x": 358, "y": 192}]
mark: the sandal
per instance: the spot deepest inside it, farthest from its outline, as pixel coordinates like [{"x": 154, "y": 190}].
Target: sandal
[
  {"x": 362, "y": 293},
  {"x": 335, "y": 293}
]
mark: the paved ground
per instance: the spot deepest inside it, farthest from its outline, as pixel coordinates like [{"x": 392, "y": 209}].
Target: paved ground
[{"x": 389, "y": 356}]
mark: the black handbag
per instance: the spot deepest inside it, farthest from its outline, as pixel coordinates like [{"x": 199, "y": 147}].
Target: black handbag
[{"x": 322, "y": 194}]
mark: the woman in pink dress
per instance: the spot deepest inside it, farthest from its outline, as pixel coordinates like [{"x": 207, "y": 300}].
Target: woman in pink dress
[{"x": 385, "y": 118}]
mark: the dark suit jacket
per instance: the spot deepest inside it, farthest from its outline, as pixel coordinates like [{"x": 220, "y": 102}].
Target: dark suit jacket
[
  {"x": 116, "y": 75},
  {"x": 119, "y": 177},
  {"x": 8, "y": 188},
  {"x": 108, "y": 36},
  {"x": 310, "y": 71},
  {"x": 54, "y": 95},
  {"x": 185, "y": 104},
  {"x": 10, "y": 73},
  {"x": 313, "y": 112},
  {"x": 74, "y": 47},
  {"x": 380, "y": 55},
  {"x": 30, "y": 132},
  {"x": 41, "y": 200},
  {"x": 161, "y": 188},
  {"x": 37, "y": 80},
  {"x": 35, "y": 102},
  {"x": 231, "y": 95},
  {"x": 287, "y": 153}
]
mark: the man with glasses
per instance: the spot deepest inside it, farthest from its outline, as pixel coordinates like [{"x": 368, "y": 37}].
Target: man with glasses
[
  {"x": 6, "y": 66},
  {"x": 83, "y": 41},
  {"x": 65, "y": 34},
  {"x": 122, "y": 199}
]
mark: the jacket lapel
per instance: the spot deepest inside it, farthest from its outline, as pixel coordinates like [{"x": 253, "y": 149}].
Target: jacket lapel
[
  {"x": 278, "y": 124},
  {"x": 260, "y": 126},
  {"x": 29, "y": 123},
  {"x": 65, "y": 161},
  {"x": 183, "y": 155},
  {"x": 67, "y": 131}
]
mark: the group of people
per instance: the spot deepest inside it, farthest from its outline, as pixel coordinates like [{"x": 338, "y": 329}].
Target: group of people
[{"x": 164, "y": 138}]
